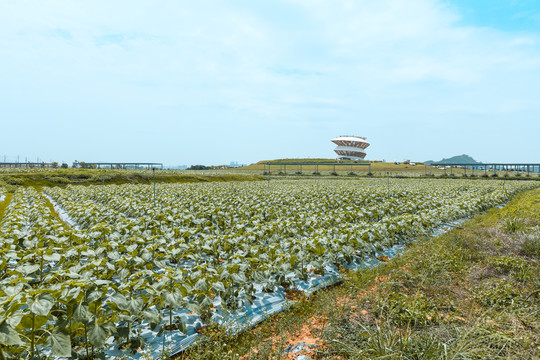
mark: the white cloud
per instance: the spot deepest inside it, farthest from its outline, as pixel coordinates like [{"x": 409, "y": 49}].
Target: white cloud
[{"x": 342, "y": 66}]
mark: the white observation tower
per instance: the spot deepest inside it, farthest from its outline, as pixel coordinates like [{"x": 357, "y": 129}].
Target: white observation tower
[{"x": 350, "y": 147}]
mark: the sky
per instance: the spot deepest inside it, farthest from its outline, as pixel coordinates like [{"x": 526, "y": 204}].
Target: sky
[{"x": 211, "y": 82}]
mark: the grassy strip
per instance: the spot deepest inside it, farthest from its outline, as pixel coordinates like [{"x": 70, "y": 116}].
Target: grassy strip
[
  {"x": 312, "y": 160},
  {"x": 87, "y": 177},
  {"x": 470, "y": 294},
  {"x": 343, "y": 167},
  {"x": 378, "y": 169}
]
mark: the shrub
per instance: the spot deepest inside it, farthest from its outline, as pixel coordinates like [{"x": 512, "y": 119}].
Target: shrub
[
  {"x": 199, "y": 167},
  {"x": 59, "y": 180},
  {"x": 511, "y": 265},
  {"x": 531, "y": 245},
  {"x": 13, "y": 181},
  {"x": 407, "y": 309},
  {"x": 498, "y": 295},
  {"x": 9, "y": 188},
  {"x": 513, "y": 225}
]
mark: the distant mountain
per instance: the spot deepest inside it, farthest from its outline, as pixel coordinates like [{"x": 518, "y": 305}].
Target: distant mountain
[{"x": 459, "y": 159}]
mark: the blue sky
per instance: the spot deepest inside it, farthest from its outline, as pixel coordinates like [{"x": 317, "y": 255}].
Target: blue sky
[{"x": 209, "y": 82}]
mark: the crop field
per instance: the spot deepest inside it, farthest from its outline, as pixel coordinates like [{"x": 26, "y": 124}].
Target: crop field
[
  {"x": 84, "y": 268},
  {"x": 377, "y": 169}
]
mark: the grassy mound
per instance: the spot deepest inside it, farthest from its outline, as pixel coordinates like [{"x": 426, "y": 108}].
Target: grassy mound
[{"x": 88, "y": 176}]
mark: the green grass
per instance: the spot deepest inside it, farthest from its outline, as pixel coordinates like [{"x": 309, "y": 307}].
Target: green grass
[
  {"x": 473, "y": 293},
  {"x": 311, "y": 160},
  {"x": 88, "y": 176},
  {"x": 377, "y": 169},
  {"x": 341, "y": 167},
  {"x": 514, "y": 218}
]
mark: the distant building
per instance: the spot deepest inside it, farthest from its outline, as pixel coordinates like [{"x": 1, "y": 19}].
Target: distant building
[{"x": 350, "y": 147}]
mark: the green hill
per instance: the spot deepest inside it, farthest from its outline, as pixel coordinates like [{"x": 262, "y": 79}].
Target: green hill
[{"x": 459, "y": 159}]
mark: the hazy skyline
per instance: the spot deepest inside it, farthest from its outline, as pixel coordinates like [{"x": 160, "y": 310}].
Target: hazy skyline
[{"x": 210, "y": 82}]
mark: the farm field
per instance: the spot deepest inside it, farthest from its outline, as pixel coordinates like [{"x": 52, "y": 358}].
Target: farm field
[
  {"x": 471, "y": 293},
  {"x": 84, "y": 267},
  {"x": 378, "y": 169},
  {"x": 60, "y": 177},
  {"x": 343, "y": 167}
]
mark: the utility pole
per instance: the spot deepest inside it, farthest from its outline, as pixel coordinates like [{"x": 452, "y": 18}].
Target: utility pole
[
  {"x": 388, "y": 182},
  {"x": 154, "y": 172}
]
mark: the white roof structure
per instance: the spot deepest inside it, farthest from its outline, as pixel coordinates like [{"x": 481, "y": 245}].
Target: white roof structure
[{"x": 351, "y": 147}]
